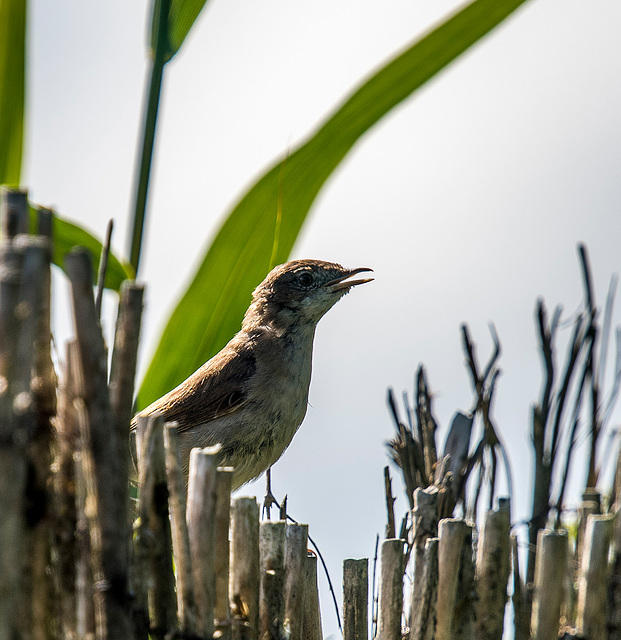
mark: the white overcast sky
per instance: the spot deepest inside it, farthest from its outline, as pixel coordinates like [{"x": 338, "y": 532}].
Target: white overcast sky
[{"x": 468, "y": 200}]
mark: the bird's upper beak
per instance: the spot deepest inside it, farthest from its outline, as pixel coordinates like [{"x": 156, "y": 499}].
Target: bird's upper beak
[{"x": 340, "y": 283}]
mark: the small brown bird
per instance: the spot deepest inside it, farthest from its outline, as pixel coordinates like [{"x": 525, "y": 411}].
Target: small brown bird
[{"x": 252, "y": 396}]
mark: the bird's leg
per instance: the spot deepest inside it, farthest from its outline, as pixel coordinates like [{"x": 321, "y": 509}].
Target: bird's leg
[{"x": 269, "y": 500}]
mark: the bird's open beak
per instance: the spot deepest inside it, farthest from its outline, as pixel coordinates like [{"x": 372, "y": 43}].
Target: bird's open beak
[{"x": 340, "y": 283}]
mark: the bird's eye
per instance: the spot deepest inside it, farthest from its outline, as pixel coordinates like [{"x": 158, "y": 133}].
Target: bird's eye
[{"x": 305, "y": 279}]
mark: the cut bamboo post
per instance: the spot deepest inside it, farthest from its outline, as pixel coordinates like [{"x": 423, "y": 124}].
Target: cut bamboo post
[
  {"x": 520, "y": 618},
  {"x": 110, "y": 474},
  {"x": 589, "y": 506},
  {"x": 65, "y": 516},
  {"x": 423, "y": 626},
  {"x": 123, "y": 366},
  {"x": 153, "y": 541},
  {"x": 463, "y": 616},
  {"x": 41, "y": 380},
  {"x": 614, "y": 581},
  {"x": 492, "y": 572},
  {"x": 311, "y": 629},
  {"x": 271, "y": 594},
  {"x": 186, "y": 604},
  {"x": 425, "y": 518},
  {"x": 12, "y": 449},
  {"x": 390, "y": 605},
  {"x": 550, "y": 570},
  {"x": 591, "y": 616},
  {"x": 450, "y": 550},
  {"x": 88, "y": 532},
  {"x": 13, "y": 211},
  {"x": 201, "y": 521},
  {"x": 244, "y": 580},
  {"x": 355, "y": 599},
  {"x": 296, "y": 549},
  {"x": 224, "y": 479}
]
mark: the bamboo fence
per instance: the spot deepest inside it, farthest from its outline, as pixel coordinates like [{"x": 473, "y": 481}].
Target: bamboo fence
[{"x": 80, "y": 559}]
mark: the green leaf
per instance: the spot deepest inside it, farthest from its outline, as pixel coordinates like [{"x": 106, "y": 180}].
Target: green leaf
[
  {"x": 182, "y": 15},
  {"x": 12, "y": 74},
  {"x": 68, "y": 235},
  {"x": 239, "y": 257}
]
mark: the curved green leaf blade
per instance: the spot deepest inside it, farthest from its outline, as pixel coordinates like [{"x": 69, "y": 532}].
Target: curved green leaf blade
[
  {"x": 182, "y": 15},
  {"x": 12, "y": 88},
  {"x": 68, "y": 235},
  {"x": 238, "y": 259}
]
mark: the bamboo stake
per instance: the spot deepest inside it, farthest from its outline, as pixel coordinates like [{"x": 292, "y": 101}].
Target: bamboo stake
[
  {"x": 91, "y": 616},
  {"x": 12, "y": 453},
  {"x": 123, "y": 366},
  {"x": 41, "y": 385},
  {"x": 311, "y": 629},
  {"x": 521, "y": 621},
  {"x": 272, "y": 562},
  {"x": 451, "y": 534},
  {"x": 186, "y": 604},
  {"x": 296, "y": 545},
  {"x": 201, "y": 520},
  {"x": 224, "y": 479},
  {"x": 424, "y": 617},
  {"x": 587, "y": 508},
  {"x": 390, "y": 604},
  {"x": 425, "y": 517},
  {"x": 355, "y": 599},
  {"x": 44, "y": 385},
  {"x": 614, "y": 581},
  {"x": 245, "y": 574},
  {"x": 492, "y": 572},
  {"x": 65, "y": 515},
  {"x": 463, "y": 616},
  {"x": 153, "y": 536},
  {"x": 84, "y": 565},
  {"x": 550, "y": 564},
  {"x": 110, "y": 474},
  {"x": 141, "y": 574},
  {"x": 591, "y": 618},
  {"x": 13, "y": 212}
]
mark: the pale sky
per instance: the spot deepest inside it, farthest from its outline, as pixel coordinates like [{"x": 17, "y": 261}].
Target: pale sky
[{"x": 467, "y": 201}]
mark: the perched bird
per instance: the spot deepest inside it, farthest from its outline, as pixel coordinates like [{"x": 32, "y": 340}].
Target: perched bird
[{"x": 252, "y": 396}]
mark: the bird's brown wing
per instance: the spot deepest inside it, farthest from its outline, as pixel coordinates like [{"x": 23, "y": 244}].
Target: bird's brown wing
[{"x": 218, "y": 388}]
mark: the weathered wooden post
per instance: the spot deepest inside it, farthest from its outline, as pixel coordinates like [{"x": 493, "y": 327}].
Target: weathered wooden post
[
  {"x": 272, "y": 562},
  {"x": 186, "y": 603},
  {"x": 390, "y": 606},
  {"x": 201, "y": 521},
  {"x": 424, "y": 589},
  {"x": 450, "y": 550},
  {"x": 312, "y": 616},
  {"x": 296, "y": 545},
  {"x": 492, "y": 572},
  {"x": 591, "y": 617},
  {"x": 550, "y": 572},
  {"x": 245, "y": 575},
  {"x": 355, "y": 599}
]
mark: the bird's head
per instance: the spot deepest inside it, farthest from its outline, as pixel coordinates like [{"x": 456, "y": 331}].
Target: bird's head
[{"x": 300, "y": 291}]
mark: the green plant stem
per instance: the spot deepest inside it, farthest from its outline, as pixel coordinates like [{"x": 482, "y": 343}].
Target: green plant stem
[{"x": 160, "y": 19}]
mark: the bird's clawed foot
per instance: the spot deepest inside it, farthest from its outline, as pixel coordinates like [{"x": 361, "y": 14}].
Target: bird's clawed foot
[{"x": 270, "y": 500}]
